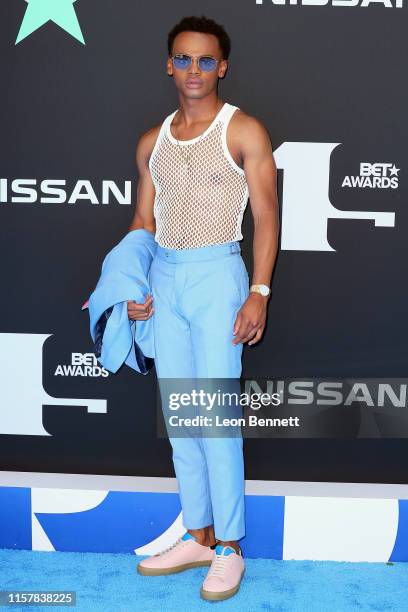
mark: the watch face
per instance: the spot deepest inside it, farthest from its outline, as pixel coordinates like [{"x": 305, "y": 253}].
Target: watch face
[{"x": 262, "y": 289}]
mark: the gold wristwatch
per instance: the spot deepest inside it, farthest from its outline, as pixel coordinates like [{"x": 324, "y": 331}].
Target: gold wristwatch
[{"x": 262, "y": 289}]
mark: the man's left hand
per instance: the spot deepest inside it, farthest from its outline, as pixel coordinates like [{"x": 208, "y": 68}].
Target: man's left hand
[{"x": 251, "y": 319}]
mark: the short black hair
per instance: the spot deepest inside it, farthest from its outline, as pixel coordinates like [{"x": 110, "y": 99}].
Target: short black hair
[{"x": 204, "y": 25}]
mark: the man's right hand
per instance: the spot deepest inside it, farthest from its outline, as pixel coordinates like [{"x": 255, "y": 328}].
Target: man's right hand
[{"x": 141, "y": 312}]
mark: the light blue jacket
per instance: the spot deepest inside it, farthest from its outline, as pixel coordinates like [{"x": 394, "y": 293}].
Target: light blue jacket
[{"x": 124, "y": 276}]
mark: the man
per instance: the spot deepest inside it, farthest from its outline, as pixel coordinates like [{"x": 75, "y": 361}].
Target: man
[{"x": 196, "y": 171}]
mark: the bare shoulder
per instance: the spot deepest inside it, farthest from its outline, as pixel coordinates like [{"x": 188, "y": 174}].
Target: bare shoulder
[
  {"x": 248, "y": 131},
  {"x": 145, "y": 145}
]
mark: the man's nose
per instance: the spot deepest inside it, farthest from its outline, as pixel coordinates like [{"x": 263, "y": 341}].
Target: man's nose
[{"x": 194, "y": 67}]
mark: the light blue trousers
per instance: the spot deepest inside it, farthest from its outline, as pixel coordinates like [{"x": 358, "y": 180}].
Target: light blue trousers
[{"x": 197, "y": 293}]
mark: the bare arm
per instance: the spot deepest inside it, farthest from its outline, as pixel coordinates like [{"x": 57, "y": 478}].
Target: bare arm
[
  {"x": 260, "y": 173},
  {"x": 145, "y": 192},
  {"x": 143, "y": 217}
]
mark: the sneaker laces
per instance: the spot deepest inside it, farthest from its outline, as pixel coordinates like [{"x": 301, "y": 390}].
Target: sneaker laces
[
  {"x": 218, "y": 565},
  {"x": 171, "y": 547}
]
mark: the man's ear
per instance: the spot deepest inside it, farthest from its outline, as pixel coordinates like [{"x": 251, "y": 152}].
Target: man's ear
[{"x": 225, "y": 65}]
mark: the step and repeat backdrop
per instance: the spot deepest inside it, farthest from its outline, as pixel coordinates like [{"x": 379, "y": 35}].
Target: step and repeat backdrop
[{"x": 81, "y": 81}]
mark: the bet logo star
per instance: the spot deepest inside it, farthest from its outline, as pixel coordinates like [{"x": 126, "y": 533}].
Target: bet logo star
[{"x": 39, "y": 12}]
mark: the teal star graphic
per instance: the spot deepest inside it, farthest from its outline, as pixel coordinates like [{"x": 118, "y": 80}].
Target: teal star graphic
[{"x": 39, "y": 12}]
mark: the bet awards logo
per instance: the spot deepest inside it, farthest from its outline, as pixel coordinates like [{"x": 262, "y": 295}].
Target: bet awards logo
[
  {"x": 22, "y": 392},
  {"x": 82, "y": 364},
  {"x": 306, "y": 206},
  {"x": 374, "y": 176}
]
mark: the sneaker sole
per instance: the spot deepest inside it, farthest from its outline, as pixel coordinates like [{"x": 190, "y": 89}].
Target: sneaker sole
[
  {"x": 163, "y": 571},
  {"x": 218, "y": 596}
]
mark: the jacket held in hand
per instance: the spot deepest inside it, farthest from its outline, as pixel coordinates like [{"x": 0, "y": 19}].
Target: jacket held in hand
[{"x": 124, "y": 276}]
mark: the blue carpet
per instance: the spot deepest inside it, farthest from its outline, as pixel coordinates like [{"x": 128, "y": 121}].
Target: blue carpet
[{"x": 110, "y": 583}]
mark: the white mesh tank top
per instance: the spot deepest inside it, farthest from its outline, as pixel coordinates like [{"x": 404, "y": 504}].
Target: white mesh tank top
[{"x": 206, "y": 206}]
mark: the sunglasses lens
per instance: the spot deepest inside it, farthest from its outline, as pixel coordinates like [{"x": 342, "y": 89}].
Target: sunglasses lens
[
  {"x": 207, "y": 63},
  {"x": 181, "y": 61}
]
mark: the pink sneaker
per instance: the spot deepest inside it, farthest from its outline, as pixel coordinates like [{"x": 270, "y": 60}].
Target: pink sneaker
[
  {"x": 225, "y": 574},
  {"x": 185, "y": 553}
]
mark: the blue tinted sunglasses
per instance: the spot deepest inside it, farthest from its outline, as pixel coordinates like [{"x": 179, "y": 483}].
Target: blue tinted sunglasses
[{"x": 205, "y": 62}]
